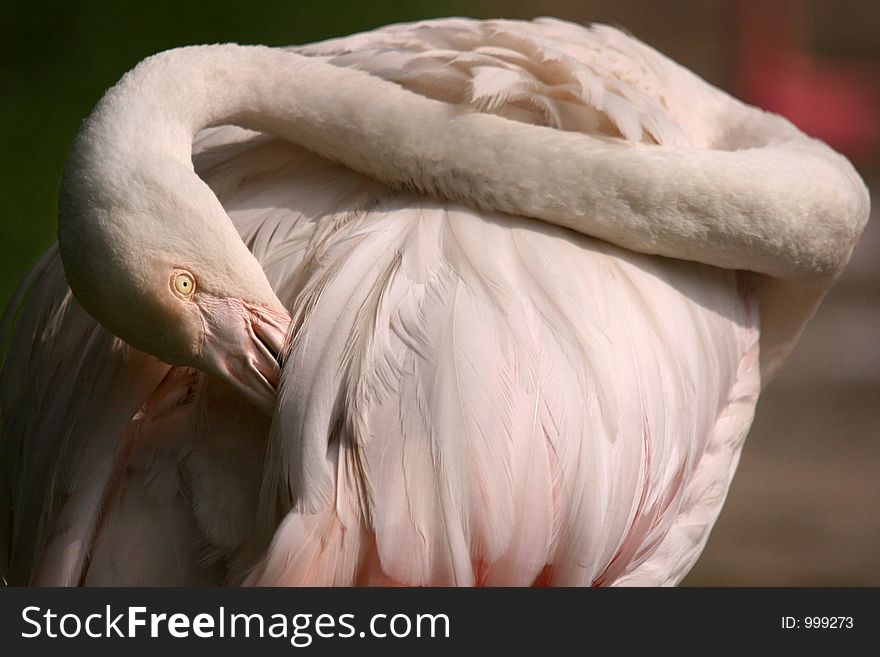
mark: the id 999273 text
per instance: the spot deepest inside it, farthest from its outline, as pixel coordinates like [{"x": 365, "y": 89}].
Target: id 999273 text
[{"x": 817, "y": 623}]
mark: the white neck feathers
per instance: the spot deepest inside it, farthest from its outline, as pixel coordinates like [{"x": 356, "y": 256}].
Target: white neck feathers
[{"x": 786, "y": 205}]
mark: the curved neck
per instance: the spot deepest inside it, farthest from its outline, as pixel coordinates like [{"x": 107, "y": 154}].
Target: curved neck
[{"x": 786, "y": 206}]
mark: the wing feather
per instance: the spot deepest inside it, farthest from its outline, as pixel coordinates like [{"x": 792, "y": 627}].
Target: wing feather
[{"x": 453, "y": 415}]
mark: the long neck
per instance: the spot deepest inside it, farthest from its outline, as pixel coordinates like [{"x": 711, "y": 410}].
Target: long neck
[{"x": 786, "y": 205}]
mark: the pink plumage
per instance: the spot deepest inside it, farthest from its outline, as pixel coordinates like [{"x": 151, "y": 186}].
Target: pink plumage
[{"x": 467, "y": 397}]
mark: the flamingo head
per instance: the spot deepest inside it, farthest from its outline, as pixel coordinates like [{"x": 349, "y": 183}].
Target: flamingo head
[{"x": 150, "y": 253}]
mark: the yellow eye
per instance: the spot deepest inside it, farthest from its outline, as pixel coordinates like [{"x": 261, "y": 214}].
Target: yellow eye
[{"x": 184, "y": 283}]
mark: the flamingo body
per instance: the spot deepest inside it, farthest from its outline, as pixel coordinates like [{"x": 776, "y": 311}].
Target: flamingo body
[{"x": 466, "y": 397}]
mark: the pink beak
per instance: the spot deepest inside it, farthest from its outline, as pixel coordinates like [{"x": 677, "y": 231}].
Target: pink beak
[{"x": 243, "y": 346}]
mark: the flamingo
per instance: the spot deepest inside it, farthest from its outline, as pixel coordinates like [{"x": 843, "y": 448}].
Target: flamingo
[{"x": 453, "y": 302}]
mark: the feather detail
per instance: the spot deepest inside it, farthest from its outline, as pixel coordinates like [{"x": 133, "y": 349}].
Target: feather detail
[
  {"x": 448, "y": 418},
  {"x": 526, "y": 72}
]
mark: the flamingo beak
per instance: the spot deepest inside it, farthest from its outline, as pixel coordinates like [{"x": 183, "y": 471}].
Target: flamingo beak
[{"x": 243, "y": 346}]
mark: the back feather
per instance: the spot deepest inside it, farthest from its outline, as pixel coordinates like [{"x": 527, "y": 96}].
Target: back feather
[{"x": 548, "y": 72}]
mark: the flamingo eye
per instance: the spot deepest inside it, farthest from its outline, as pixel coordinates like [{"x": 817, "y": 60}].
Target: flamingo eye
[{"x": 184, "y": 283}]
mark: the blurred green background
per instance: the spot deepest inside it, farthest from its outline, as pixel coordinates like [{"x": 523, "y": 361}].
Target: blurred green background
[{"x": 804, "y": 508}]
